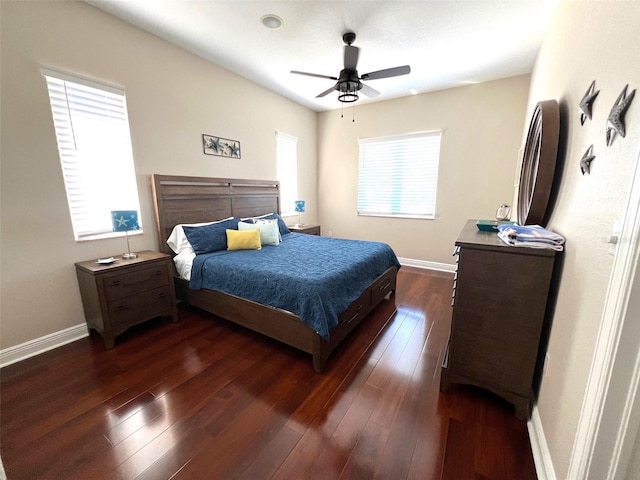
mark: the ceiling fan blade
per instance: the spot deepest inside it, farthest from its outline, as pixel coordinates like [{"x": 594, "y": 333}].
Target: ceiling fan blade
[
  {"x": 351, "y": 54},
  {"x": 314, "y": 75},
  {"x": 386, "y": 73},
  {"x": 369, "y": 92},
  {"x": 326, "y": 92}
]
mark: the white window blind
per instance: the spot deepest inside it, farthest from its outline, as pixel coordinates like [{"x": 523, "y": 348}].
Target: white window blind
[
  {"x": 94, "y": 143},
  {"x": 287, "y": 171},
  {"x": 398, "y": 176}
]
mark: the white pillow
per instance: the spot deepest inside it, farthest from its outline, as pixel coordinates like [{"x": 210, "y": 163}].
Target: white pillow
[
  {"x": 273, "y": 222},
  {"x": 269, "y": 233},
  {"x": 183, "y": 262},
  {"x": 178, "y": 241}
]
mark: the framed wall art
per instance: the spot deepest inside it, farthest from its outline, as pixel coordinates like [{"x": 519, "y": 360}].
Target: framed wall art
[{"x": 222, "y": 147}]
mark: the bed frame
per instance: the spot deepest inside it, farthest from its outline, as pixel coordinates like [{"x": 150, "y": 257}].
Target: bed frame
[{"x": 179, "y": 199}]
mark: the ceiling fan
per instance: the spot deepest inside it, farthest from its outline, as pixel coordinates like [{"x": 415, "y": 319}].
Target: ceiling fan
[{"x": 348, "y": 84}]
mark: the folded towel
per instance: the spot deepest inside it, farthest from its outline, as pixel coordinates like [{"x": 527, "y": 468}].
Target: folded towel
[{"x": 533, "y": 236}]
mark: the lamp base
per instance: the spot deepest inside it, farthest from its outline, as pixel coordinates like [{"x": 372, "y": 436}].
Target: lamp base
[{"x": 129, "y": 256}]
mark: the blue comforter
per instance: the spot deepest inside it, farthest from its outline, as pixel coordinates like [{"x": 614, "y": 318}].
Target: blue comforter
[{"x": 316, "y": 278}]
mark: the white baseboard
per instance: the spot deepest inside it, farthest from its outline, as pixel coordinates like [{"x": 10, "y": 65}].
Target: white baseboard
[
  {"x": 539, "y": 448},
  {"x": 442, "y": 267},
  {"x": 43, "y": 344}
]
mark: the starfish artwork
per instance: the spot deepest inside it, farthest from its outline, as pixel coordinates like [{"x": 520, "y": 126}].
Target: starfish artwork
[
  {"x": 587, "y": 158},
  {"x": 235, "y": 150},
  {"x": 615, "y": 120},
  {"x": 586, "y": 104},
  {"x": 221, "y": 147},
  {"x": 214, "y": 144},
  {"x": 122, "y": 222}
]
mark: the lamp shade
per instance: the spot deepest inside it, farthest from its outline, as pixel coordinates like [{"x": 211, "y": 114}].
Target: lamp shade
[
  {"x": 299, "y": 206},
  {"x": 124, "y": 220}
]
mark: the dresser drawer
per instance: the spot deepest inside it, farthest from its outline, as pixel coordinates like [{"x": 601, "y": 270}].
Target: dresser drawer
[
  {"x": 132, "y": 282},
  {"x": 146, "y": 305}
]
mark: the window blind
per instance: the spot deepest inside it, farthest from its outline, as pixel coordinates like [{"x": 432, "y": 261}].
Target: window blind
[
  {"x": 287, "y": 166},
  {"x": 94, "y": 145},
  {"x": 398, "y": 176}
]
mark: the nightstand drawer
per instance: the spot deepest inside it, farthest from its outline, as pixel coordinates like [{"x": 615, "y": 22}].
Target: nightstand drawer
[
  {"x": 151, "y": 304},
  {"x": 133, "y": 282}
]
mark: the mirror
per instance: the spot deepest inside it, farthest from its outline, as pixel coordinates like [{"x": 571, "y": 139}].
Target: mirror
[{"x": 538, "y": 163}]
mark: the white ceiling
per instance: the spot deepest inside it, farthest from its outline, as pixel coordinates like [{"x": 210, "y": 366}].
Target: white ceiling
[{"x": 447, "y": 43}]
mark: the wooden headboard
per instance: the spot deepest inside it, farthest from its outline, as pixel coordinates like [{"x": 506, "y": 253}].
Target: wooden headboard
[{"x": 180, "y": 199}]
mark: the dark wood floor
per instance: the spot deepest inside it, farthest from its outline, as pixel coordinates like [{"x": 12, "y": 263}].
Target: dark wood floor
[{"x": 204, "y": 399}]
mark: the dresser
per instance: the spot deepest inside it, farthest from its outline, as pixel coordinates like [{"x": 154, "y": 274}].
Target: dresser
[
  {"x": 499, "y": 301},
  {"x": 126, "y": 292}
]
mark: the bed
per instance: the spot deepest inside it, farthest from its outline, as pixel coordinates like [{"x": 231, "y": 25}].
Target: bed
[{"x": 193, "y": 200}]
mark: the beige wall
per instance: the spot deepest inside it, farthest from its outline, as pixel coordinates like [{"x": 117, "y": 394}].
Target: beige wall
[
  {"x": 587, "y": 40},
  {"x": 173, "y": 98},
  {"x": 482, "y": 126}
]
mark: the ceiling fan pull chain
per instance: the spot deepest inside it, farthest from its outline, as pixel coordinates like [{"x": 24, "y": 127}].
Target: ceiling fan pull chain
[{"x": 354, "y": 113}]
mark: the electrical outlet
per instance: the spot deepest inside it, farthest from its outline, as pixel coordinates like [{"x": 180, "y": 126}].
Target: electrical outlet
[{"x": 330, "y": 233}]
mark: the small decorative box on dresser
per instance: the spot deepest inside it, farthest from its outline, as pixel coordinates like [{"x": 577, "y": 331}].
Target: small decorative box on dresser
[
  {"x": 499, "y": 303},
  {"x": 126, "y": 292},
  {"x": 308, "y": 229}
]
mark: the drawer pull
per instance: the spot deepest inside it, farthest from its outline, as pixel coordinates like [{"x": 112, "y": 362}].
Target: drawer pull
[
  {"x": 116, "y": 283},
  {"x": 122, "y": 308},
  {"x": 385, "y": 286},
  {"x": 158, "y": 272},
  {"x": 355, "y": 315},
  {"x": 162, "y": 295}
]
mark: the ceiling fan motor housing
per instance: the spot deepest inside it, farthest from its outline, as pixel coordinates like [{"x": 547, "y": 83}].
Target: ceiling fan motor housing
[{"x": 348, "y": 81}]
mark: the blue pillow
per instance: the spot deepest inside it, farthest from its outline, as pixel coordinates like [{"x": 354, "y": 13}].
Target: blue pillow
[{"x": 210, "y": 238}]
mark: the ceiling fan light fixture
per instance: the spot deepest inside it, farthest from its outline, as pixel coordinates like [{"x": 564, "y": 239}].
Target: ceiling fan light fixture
[
  {"x": 348, "y": 97},
  {"x": 271, "y": 21}
]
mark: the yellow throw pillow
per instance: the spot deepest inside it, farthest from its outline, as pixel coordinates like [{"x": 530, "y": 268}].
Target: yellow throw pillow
[{"x": 243, "y": 240}]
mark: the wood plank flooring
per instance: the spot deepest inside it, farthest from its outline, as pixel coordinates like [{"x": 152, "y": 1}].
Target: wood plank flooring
[{"x": 204, "y": 399}]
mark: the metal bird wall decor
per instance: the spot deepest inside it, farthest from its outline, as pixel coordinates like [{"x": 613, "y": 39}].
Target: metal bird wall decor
[
  {"x": 615, "y": 120},
  {"x": 587, "y": 158},
  {"x": 586, "y": 103}
]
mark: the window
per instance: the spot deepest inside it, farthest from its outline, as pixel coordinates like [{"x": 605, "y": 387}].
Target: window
[
  {"x": 287, "y": 171},
  {"x": 398, "y": 176},
  {"x": 94, "y": 143}
]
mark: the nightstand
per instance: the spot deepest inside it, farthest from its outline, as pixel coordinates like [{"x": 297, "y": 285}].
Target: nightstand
[
  {"x": 308, "y": 229},
  {"x": 126, "y": 292}
]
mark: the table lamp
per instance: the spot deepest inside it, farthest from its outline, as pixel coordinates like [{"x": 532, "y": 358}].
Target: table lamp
[
  {"x": 300, "y": 210},
  {"x": 125, "y": 221}
]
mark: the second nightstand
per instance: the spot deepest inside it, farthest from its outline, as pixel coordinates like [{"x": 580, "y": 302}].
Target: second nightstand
[
  {"x": 308, "y": 229},
  {"x": 126, "y": 292}
]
